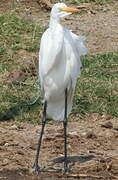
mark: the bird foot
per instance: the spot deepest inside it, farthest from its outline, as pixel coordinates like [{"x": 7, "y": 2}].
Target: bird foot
[
  {"x": 36, "y": 168},
  {"x": 66, "y": 170}
]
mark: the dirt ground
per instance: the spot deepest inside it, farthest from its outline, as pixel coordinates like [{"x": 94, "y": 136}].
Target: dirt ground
[
  {"x": 93, "y": 142},
  {"x": 92, "y": 149}
]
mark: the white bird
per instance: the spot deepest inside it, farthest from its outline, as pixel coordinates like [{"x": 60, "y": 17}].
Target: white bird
[{"x": 59, "y": 68}]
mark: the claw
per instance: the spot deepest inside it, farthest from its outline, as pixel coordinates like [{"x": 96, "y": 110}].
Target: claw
[
  {"x": 66, "y": 170},
  {"x": 36, "y": 168},
  {"x": 66, "y": 166}
]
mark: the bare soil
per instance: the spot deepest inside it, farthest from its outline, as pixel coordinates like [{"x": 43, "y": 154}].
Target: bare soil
[
  {"x": 92, "y": 148},
  {"x": 93, "y": 142}
]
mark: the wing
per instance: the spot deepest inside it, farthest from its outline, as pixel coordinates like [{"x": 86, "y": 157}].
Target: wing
[
  {"x": 79, "y": 41},
  {"x": 76, "y": 48},
  {"x": 76, "y": 42},
  {"x": 50, "y": 50}
]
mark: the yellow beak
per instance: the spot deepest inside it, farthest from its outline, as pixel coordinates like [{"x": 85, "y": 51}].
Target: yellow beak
[{"x": 68, "y": 9}]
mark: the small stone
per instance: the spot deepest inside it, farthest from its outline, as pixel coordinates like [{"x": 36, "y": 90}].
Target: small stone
[
  {"x": 104, "y": 9},
  {"x": 73, "y": 133},
  {"x": 20, "y": 127},
  {"x": 20, "y": 152},
  {"x": 107, "y": 125},
  {"x": 2, "y": 143},
  {"x": 91, "y": 135},
  {"x": 14, "y": 127},
  {"x": 5, "y": 162},
  {"x": 6, "y": 144},
  {"x": 83, "y": 134}
]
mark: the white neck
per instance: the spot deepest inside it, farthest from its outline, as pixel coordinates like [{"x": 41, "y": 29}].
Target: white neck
[{"x": 54, "y": 22}]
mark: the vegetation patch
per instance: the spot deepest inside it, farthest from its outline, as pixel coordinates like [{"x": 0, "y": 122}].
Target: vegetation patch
[
  {"x": 16, "y": 34},
  {"x": 97, "y": 88},
  {"x": 96, "y": 91}
]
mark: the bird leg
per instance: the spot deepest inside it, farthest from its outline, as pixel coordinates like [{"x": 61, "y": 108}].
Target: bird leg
[
  {"x": 65, "y": 135},
  {"x": 36, "y": 167}
]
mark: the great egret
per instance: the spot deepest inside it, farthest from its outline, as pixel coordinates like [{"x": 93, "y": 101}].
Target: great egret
[{"x": 59, "y": 67}]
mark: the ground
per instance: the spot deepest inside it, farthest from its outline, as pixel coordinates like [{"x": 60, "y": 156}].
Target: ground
[
  {"x": 89, "y": 147},
  {"x": 93, "y": 141}
]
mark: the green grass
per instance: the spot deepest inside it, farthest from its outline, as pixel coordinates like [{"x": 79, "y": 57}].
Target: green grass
[
  {"x": 16, "y": 34},
  {"x": 96, "y": 91}
]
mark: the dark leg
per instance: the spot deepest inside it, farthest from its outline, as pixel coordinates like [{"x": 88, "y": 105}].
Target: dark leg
[
  {"x": 65, "y": 134},
  {"x": 36, "y": 167}
]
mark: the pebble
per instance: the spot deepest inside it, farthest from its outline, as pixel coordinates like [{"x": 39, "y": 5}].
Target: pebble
[
  {"x": 107, "y": 125},
  {"x": 6, "y": 144},
  {"x": 91, "y": 134},
  {"x": 2, "y": 143},
  {"x": 73, "y": 133},
  {"x": 83, "y": 134},
  {"x": 104, "y": 9},
  {"x": 20, "y": 152},
  {"x": 5, "y": 162},
  {"x": 14, "y": 127}
]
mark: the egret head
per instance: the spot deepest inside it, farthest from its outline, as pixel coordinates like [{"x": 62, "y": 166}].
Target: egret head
[{"x": 60, "y": 10}]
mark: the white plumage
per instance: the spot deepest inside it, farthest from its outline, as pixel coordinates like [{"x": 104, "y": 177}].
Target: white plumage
[{"x": 59, "y": 63}]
